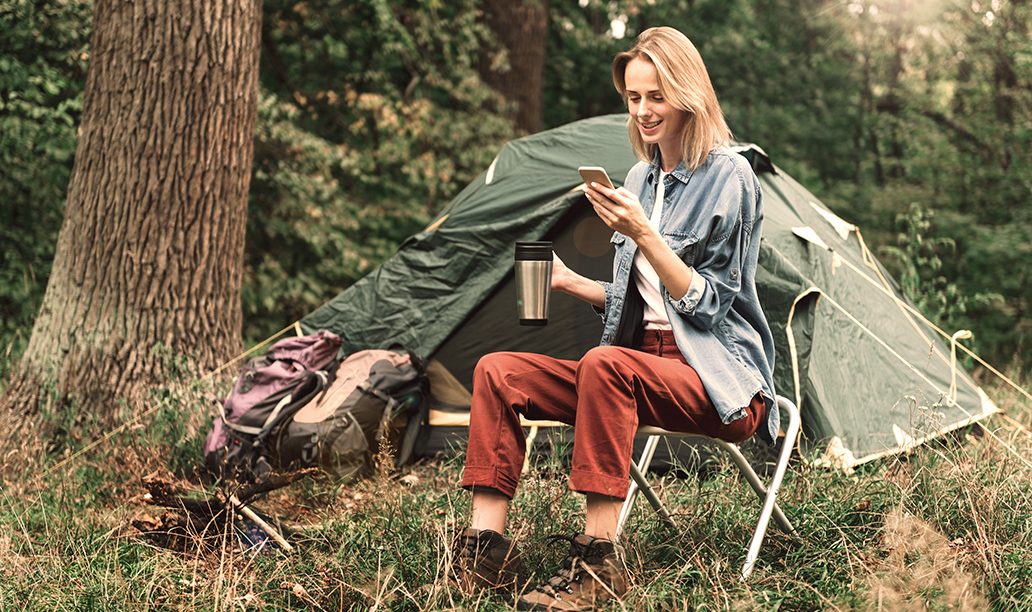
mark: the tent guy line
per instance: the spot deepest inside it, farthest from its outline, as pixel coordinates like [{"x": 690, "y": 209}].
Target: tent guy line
[
  {"x": 877, "y": 339},
  {"x": 843, "y": 230},
  {"x": 881, "y": 287},
  {"x": 296, "y": 326},
  {"x": 885, "y": 345}
]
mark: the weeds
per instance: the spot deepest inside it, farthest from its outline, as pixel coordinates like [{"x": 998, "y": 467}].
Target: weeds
[{"x": 945, "y": 527}]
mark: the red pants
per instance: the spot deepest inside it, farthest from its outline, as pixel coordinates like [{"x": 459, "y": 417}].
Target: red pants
[{"x": 604, "y": 396}]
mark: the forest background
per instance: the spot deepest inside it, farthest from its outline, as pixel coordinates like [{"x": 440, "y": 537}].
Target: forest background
[{"x": 909, "y": 118}]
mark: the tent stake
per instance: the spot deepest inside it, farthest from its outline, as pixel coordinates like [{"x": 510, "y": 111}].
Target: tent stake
[{"x": 267, "y": 528}]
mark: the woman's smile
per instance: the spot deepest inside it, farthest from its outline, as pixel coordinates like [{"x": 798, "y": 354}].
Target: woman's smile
[{"x": 659, "y": 122}]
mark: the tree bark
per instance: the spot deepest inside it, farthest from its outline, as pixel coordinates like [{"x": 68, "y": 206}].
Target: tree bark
[
  {"x": 151, "y": 248},
  {"x": 521, "y": 27}
]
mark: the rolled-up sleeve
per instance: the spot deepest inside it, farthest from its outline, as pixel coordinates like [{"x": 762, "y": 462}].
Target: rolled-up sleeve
[
  {"x": 717, "y": 262},
  {"x": 607, "y": 287},
  {"x": 691, "y": 298}
]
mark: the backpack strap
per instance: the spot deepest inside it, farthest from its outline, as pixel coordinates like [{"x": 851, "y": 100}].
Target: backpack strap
[
  {"x": 416, "y": 428},
  {"x": 260, "y": 433},
  {"x": 388, "y": 411},
  {"x": 254, "y": 431},
  {"x": 320, "y": 380},
  {"x": 365, "y": 388}
]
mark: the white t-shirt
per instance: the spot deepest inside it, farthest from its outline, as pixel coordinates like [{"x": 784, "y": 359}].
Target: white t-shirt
[{"x": 645, "y": 277}]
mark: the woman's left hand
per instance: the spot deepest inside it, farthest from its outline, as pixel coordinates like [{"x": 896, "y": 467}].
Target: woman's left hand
[
  {"x": 622, "y": 212},
  {"x": 619, "y": 209}
]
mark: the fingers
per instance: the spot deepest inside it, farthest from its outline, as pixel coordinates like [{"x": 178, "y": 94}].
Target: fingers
[
  {"x": 619, "y": 203},
  {"x": 556, "y": 261},
  {"x": 613, "y": 197},
  {"x": 596, "y": 192},
  {"x": 603, "y": 213},
  {"x": 604, "y": 207},
  {"x": 599, "y": 199},
  {"x": 618, "y": 209}
]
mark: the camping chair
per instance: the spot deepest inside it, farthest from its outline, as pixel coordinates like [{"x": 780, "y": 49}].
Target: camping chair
[{"x": 766, "y": 494}]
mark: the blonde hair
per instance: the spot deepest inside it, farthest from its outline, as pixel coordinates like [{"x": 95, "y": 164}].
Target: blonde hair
[{"x": 684, "y": 81}]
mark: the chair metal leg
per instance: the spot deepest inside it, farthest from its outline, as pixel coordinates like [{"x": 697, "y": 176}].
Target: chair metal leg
[
  {"x": 757, "y": 485},
  {"x": 650, "y": 494},
  {"x": 775, "y": 484},
  {"x": 768, "y": 494},
  {"x": 638, "y": 481}
]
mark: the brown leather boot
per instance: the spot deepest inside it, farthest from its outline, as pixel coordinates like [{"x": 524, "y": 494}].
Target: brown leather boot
[
  {"x": 593, "y": 573},
  {"x": 483, "y": 559}
]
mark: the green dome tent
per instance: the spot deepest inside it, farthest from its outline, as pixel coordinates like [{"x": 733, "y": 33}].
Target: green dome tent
[{"x": 870, "y": 376}]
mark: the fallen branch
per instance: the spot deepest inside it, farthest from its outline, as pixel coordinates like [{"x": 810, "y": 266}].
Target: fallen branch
[
  {"x": 267, "y": 528},
  {"x": 189, "y": 519}
]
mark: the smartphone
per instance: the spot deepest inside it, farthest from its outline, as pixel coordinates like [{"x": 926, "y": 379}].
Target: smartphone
[{"x": 595, "y": 174}]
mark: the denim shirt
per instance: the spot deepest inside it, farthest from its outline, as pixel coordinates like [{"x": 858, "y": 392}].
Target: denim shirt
[{"x": 711, "y": 218}]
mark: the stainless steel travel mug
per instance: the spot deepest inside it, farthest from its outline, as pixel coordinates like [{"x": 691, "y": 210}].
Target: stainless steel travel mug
[{"x": 533, "y": 281}]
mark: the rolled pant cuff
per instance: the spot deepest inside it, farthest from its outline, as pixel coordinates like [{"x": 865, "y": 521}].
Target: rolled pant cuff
[
  {"x": 583, "y": 481},
  {"x": 490, "y": 477}
]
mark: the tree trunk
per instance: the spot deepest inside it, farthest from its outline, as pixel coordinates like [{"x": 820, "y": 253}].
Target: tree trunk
[
  {"x": 151, "y": 248},
  {"x": 521, "y": 27}
]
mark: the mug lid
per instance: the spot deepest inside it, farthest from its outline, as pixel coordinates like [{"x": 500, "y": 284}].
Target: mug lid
[{"x": 540, "y": 250}]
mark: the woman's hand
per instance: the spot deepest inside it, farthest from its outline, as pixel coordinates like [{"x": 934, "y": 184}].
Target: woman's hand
[
  {"x": 561, "y": 274},
  {"x": 622, "y": 212},
  {"x": 619, "y": 209},
  {"x": 566, "y": 280}
]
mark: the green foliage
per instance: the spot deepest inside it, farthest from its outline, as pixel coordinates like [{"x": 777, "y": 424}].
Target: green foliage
[
  {"x": 790, "y": 90},
  {"x": 308, "y": 238},
  {"x": 919, "y": 265},
  {"x": 372, "y": 117},
  {"x": 387, "y": 121},
  {"x": 950, "y": 102},
  {"x": 42, "y": 74},
  {"x": 580, "y": 53}
]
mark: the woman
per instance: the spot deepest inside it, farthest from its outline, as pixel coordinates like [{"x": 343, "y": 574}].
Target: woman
[{"x": 684, "y": 347}]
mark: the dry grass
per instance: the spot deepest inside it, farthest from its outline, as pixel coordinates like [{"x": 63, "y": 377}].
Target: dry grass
[
  {"x": 922, "y": 569},
  {"x": 945, "y": 528}
]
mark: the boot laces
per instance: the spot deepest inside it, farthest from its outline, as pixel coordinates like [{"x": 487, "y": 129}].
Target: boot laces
[
  {"x": 572, "y": 570},
  {"x": 471, "y": 546}
]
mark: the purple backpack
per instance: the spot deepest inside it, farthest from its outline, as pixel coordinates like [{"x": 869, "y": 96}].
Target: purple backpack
[{"x": 270, "y": 389}]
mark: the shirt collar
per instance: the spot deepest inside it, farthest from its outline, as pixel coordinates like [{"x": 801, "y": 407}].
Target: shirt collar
[{"x": 681, "y": 172}]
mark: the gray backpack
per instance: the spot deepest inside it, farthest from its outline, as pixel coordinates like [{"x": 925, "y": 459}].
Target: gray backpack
[{"x": 371, "y": 393}]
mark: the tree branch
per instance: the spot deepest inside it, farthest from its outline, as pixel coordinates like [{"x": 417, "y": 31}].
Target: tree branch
[{"x": 986, "y": 151}]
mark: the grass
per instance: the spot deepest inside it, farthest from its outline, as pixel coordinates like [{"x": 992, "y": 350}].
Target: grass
[{"x": 947, "y": 527}]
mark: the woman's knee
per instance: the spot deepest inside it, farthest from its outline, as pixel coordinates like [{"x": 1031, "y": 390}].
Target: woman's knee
[
  {"x": 489, "y": 366},
  {"x": 603, "y": 370},
  {"x": 494, "y": 370},
  {"x": 602, "y": 360}
]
